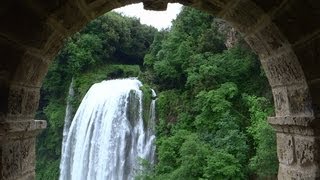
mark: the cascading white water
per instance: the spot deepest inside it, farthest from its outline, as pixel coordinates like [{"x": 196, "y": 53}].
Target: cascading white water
[
  {"x": 108, "y": 135},
  {"x": 68, "y": 116}
]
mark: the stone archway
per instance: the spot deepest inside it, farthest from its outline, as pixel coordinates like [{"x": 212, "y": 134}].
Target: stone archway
[{"x": 285, "y": 34}]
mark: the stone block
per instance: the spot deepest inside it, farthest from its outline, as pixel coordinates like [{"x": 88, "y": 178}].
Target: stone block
[
  {"x": 28, "y": 156},
  {"x": 31, "y": 103},
  {"x": 53, "y": 46},
  {"x": 10, "y": 159},
  {"x": 286, "y": 149},
  {"x": 244, "y": 16},
  {"x": 22, "y": 129},
  {"x": 272, "y": 37},
  {"x": 15, "y": 100},
  {"x": 30, "y": 70},
  {"x": 292, "y": 101},
  {"x": 307, "y": 150},
  {"x": 28, "y": 176},
  {"x": 283, "y": 69},
  {"x": 297, "y": 173},
  {"x": 17, "y": 159},
  {"x": 11, "y": 54},
  {"x": 281, "y": 102},
  {"x": 155, "y": 5},
  {"x": 297, "y": 125},
  {"x": 257, "y": 44},
  {"x": 299, "y": 100},
  {"x": 23, "y": 101}
]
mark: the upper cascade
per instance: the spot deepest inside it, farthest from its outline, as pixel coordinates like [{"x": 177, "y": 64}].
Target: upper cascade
[{"x": 108, "y": 135}]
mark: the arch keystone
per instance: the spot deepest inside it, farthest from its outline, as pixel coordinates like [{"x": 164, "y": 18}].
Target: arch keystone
[{"x": 155, "y": 5}]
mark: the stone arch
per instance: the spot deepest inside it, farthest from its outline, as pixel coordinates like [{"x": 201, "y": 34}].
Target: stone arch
[{"x": 285, "y": 34}]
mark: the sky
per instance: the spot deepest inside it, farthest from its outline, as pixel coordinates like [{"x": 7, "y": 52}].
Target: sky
[{"x": 157, "y": 19}]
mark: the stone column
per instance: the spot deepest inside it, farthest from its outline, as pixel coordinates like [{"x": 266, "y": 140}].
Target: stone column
[
  {"x": 298, "y": 147},
  {"x": 18, "y": 131},
  {"x": 17, "y": 148}
]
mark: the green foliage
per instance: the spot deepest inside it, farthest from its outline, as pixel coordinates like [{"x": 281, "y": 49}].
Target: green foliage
[
  {"x": 83, "y": 52},
  {"x": 97, "y": 74},
  {"x": 147, "y": 99},
  {"x": 49, "y": 142},
  {"x": 205, "y": 129},
  {"x": 124, "y": 40},
  {"x": 146, "y": 170},
  {"x": 222, "y": 165},
  {"x": 192, "y": 158},
  {"x": 265, "y": 162},
  {"x": 48, "y": 169}
]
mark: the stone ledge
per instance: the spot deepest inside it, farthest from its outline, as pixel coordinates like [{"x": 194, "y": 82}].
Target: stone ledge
[
  {"x": 297, "y": 172},
  {"x": 307, "y": 126},
  {"x": 295, "y": 121},
  {"x": 9, "y": 127}
]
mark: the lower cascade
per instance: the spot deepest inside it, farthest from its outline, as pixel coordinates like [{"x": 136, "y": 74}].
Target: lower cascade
[{"x": 109, "y": 134}]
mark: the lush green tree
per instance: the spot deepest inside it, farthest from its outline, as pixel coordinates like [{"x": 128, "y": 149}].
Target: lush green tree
[
  {"x": 206, "y": 129},
  {"x": 222, "y": 165},
  {"x": 264, "y": 162}
]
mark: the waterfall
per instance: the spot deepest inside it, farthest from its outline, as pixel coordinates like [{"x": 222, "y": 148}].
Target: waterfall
[
  {"x": 68, "y": 116},
  {"x": 108, "y": 135}
]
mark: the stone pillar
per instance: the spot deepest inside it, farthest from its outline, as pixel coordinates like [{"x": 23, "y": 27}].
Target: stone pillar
[
  {"x": 298, "y": 147},
  {"x": 18, "y": 131},
  {"x": 17, "y": 148}
]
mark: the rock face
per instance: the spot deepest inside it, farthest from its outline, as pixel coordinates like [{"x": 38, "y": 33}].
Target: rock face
[
  {"x": 285, "y": 35},
  {"x": 232, "y": 38},
  {"x": 231, "y": 35}
]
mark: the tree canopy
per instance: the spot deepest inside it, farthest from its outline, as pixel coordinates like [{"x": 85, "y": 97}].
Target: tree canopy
[{"x": 212, "y": 106}]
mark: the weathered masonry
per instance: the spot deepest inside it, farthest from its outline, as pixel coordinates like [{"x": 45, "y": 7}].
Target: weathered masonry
[{"x": 284, "y": 33}]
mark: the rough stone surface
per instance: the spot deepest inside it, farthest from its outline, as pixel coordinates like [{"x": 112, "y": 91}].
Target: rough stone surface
[
  {"x": 286, "y": 149},
  {"x": 30, "y": 70},
  {"x": 292, "y": 100},
  {"x": 22, "y": 102},
  {"x": 17, "y": 148},
  {"x": 283, "y": 69},
  {"x": 307, "y": 151},
  {"x": 296, "y": 172},
  {"x": 284, "y": 34}
]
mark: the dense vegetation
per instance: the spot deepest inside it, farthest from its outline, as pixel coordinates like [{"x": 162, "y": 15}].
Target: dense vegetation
[{"x": 212, "y": 104}]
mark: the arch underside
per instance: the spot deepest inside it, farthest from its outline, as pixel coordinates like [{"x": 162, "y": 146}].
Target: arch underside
[{"x": 285, "y": 34}]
